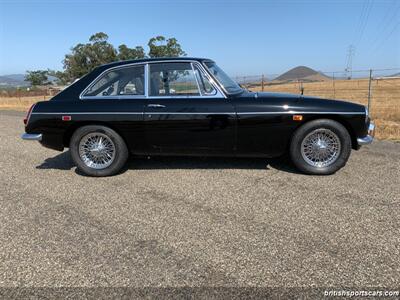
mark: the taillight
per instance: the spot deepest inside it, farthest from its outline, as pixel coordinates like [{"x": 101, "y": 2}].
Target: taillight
[{"x": 28, "y": 115}]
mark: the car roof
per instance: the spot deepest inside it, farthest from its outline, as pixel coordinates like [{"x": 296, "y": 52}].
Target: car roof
[
  {"x": 144, "y": 60},
  {"x": 74, "y": 89}
]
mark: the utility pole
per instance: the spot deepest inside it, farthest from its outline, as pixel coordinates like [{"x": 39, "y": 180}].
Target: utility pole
[
  {"x": 349, "y": 66},
  {"x": 262, "y": 83},
  {"x": 369, "y": 90},
  {"x": 301, "y": 88}
]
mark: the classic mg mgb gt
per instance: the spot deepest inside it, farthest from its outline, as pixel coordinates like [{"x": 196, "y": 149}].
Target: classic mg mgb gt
[{"x": 189, "y": 106}]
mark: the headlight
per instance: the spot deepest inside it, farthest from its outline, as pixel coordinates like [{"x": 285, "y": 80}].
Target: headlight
[{"x": 366, "y": 113}]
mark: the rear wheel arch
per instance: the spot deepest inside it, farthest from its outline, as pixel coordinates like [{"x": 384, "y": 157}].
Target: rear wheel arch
[
  {"x": 70, "y": 131},
  {"x": 98, "y": 150}
]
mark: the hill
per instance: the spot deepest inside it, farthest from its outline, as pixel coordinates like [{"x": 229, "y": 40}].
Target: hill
[
  {"x": 302, "y": 73},
  {"x": 13, "y": 80},
  {"x": 18, "y": 80}
]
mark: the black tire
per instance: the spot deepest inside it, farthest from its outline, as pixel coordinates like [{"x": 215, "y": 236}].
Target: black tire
[
  {"x": 324, "y": 124},
  {"x": 120, "y": 156}
]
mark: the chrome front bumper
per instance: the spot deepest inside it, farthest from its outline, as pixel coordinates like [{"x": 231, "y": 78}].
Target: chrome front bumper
[
  {"x": 369, "y": 138},
  {"x": 32, "y": 137}
]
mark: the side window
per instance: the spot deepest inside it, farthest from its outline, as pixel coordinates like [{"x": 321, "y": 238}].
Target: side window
[
  {"x": 118, "y": 82},
  {"x": 206, "y": 87},
  {"x": 172, "y": 79}
]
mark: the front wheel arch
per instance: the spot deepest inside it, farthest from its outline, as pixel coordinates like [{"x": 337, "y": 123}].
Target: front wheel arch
[
  {"x": 302, "y": 132},
  {"x": 350, "y": 130}
]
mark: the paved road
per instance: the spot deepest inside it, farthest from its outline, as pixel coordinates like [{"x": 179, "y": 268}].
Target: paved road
[{"x": 196, "y": 221}]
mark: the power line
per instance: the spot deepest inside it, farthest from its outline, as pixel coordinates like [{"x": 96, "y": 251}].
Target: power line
[
  {"x": 364, "y": 23},
  {"x": 360, "y": 28},
  {"x": 360, "y": 20},
  {"x": 392, "y": 8},
  {"x": 381, "y": 35},
  {"x": 387, "y": 37}
]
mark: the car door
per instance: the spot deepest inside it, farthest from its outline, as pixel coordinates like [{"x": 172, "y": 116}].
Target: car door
[
  {"x": 186, "y": 113},
  {"x": 117, "y": 98}
]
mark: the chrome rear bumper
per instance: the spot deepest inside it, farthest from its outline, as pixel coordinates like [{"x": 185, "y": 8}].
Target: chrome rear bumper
[
  {"x": 32, "y": 136},
  {"x": 369, "y": 138}
]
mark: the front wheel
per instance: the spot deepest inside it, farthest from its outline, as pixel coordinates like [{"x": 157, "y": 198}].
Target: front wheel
[
  {"x": 320, "y": 147},
  {"x": 98, "y": 150}
]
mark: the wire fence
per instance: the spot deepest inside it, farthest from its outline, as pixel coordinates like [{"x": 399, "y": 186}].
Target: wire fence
[
  {"x": 327, "y": 81},
  {"x": 22, "y": 92},
  {"x": 379, "y": 89}
]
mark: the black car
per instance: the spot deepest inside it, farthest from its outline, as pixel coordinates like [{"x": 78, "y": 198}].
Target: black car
[{"x": 189, "y": 106}]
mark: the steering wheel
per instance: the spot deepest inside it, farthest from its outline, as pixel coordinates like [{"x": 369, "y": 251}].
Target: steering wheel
[{"x": 109, "y": 91}]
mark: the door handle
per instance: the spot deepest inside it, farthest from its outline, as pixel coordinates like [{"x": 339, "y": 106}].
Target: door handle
[{"x": 156, "y": 105}]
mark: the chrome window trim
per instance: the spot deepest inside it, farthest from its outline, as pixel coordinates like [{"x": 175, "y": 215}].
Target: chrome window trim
[
  {"x": 214, "y": 83},
  {"x": 146, "y": 80},
  {"x": 204, "y": 73},
  {"x": 220, "y": 92},
  {"x": 82, "y": 94},
  {"x": 216, "y": 80},
  {"x": 112, "y": 97},
  {"x": 197, "y": 81},
  {"x": 181, "y": 97}
]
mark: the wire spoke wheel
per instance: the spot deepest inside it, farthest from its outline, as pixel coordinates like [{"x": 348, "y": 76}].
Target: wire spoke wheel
[
  {"x": 97, "y": 150},
  {"x": 321, "y": 148}
]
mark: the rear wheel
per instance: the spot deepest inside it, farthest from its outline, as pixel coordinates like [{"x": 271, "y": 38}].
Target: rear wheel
[
  {"x": 98, "y": 150},
  {"x": 320, "y": 147}
]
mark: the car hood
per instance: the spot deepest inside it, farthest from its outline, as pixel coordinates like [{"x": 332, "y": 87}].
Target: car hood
[{"x": 307, "y": 103}]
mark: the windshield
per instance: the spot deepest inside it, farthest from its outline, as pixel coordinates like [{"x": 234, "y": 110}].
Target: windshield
[{"x": 230, "y": 86}]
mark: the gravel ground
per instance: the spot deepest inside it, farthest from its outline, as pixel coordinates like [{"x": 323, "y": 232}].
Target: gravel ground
[{"x": 196, "y": 222}]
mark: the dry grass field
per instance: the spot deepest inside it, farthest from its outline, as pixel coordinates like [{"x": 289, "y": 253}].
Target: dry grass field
[
  {"x": 385, "y": 103},
  {"x": 20, "y": 103}
]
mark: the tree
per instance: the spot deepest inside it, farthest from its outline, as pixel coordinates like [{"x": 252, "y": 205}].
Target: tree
[
  {"x": 125, "y": 53},
  {"x": 38, "y": 77},
  {"x": 61, "y": 77},
  {"x": 85, "y": 57},
  {"x": 161, "y": 47}
]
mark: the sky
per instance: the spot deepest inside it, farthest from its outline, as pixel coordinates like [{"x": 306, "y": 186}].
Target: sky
[{"x": 244, "y": 37}]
